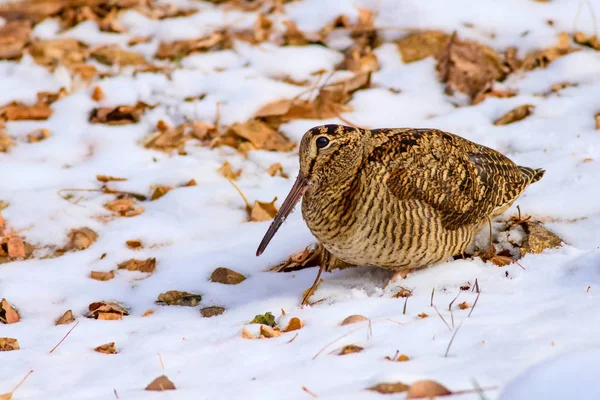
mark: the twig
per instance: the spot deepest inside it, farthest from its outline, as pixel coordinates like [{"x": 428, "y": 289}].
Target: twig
[
  {"x": 452, "y": 302},
  {"x": 162, "y": 365},
  {"x": 476, "y": 287},
  {"x": 479, "y": 390},
  {"x": 452, "y": 338},
  {"x": 432, "y": 293},
  {"x": 218, "y": 118},
  {"x": 248, "y": 206},
  {"x": 452, "y": 318},
  {"x": 307, "y": 390},
  {"x": 116, "y": 394},
  {"x": 20, "y": 383},
  {"x": 370, "y": 334},
  {"x": 516, "y": 262},
  {"x": 292, "y": 339},
  {"x": 474, "y": 304},
  {"x": 349, "y": 333},
  {"x": 405, "y": 302},
  {"x": 438, "y": 313},
  {"x": 63, "y": 339}
]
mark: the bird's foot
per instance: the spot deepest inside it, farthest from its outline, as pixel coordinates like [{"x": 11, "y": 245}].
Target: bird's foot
[{"x": 311, "y": 290}]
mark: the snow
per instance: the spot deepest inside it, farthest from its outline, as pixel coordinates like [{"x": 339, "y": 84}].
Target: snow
[{"x": 535, "y": 332}]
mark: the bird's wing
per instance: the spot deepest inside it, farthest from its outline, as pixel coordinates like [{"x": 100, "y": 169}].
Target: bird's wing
[{"x": 464, "y": 181}]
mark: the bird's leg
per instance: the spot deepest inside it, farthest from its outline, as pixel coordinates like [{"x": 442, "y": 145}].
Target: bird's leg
[
  {"x": 328, "y": 263},
  {"x": 492, "y": 249},
  {"x": 313, "y": 288}
]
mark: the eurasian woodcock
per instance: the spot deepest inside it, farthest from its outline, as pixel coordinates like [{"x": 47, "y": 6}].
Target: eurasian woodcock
[{"x": 397, "y": 199}]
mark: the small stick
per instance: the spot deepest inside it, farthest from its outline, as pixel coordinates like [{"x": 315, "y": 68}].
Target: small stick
[
  {"x": 248, "y": 206},
  {"x": 452, "y": 318},
  {"x": 477, "y": 286},
  {"x": 452, "y": 338},
  {"x": 20, "y": 383},
  {"x": 479, "y": 390},
  {"x": 307, "y": 390},
  {"x": 369, "y": 330},
  {"x": 116, "y": 394},
  {"x": 404, "y": 309},
  {"x": 63, "y": 339},
  {"x": 162, "y": 365},
  {"x": 292, "y": 339},
  {"x": 452, "y": 302},
  {"x": 432, "y": 293},
  {"x": 438, "y": 313},
  {"x": 474, "y": 304}
]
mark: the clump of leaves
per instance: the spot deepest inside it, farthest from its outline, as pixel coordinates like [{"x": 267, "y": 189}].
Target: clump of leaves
[
  {"x": 115, "y": 55},
  {"x": 119, "y": 115},
  {"x": 218, "y": 40},
  {"x": 177, "y": 298},
  {"x": 148, "y": 265},
  {"x": 420, "y": 45},
  {"x": 168, "y": 139},
  {"x": 541, "y": 58},
  {"x": 106, "y": 310},
  {"x": 124, "y": 206},
  {"x": 8, "y": 344},
  {"x": 14, "y": 35},
  {"x": 264, "y": 319}
]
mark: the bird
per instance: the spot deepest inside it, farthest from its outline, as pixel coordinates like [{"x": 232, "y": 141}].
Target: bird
[{"x": 397, "y": 198}]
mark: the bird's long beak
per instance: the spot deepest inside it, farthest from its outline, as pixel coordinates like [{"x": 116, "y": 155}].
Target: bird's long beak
[{"x": 287, "y": 207}]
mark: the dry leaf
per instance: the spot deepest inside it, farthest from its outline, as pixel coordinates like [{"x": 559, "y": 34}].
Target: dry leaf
[
  {"x": 389, "y": 388},
  {"x": 134, "y": 244},
  {"x": 109, "y": 178},
  {"x": 585, "y": 40},
  {"x": 261, "y": 136},
  {"x": 469, "y": 67},
  {"x": 515, "y": 115},
  {"x": 167, "y": 139},
  {"x": 426, "y": 389},
  {"x": 148, "y": 312},
  {"x": 262, "y": 28},
  {"x": 403, "y": 292},
  {"x": 106, "y": 310},
  {"x": 360, "y": 59},
  {"x": 177, "y": 298},
  {"x": 423, "y": 315},
  {"x": 265, "y": 319},
  {"x": 464, "y": 305},
  {"x": 125, "y": 207},
  {"x": 107, "y": 348},
  {"x": 5, "y": 142},
  {"x": 148, "y": 265},
  {"x": 277, "y": 169},
  {"x": 178, "y": 49},
  {"x": 246, "y": 334},
  {"x": 351, "y": 348},
  {"x": 541, "y": 58},
  {"x": 102, "y": 276},
  {"x": 191, "y": 182},
  {"x": 294, "y": 324},
  {"x": 596, "y": 117},
  {"x": 38, "y": 135},
  {"x": 268, "y": 332},
  {"x": 226, "y": 276},
  {"x": 86, "y": 72},
  {"x": 402, "y": 358},
  {"x": 80, "y": 239},
  {"x": 212, "y": 311},
  {"x": 119, "y": 115},
  {"x": 66, "y": 318},
  {"x": 17, "y": 111},
  {"x": 14, "y": 35},
  {"x": 352, "y": 319},
  {"x": 159, "y": 191},
  {"x": 8, "y": 344},
  {"x": 69, "y": 52},
  {"x": 538, "y": 238},
  {"x": 8, "y": 315},
  {"x": 262, "y": 211},
  {"x": 309, "y": 257},
  {"x": 294, "y": 37},
  {"x": 98, "y": 94},
  {"x": 417, "y": 46},
  {"x": 278, "y": 107},
  {"x": 161, "y": 383},
  {"x": 227, "y": 171},
  {"x": 113, "y": 54},
  {"x": 16, "y": 247}
]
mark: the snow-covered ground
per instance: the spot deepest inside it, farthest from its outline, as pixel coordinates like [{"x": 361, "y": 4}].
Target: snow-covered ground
[{"x": 523, "y": 317}]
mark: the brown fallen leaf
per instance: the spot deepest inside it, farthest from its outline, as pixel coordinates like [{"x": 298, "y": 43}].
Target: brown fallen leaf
[
  {"x": 246, "y": 334},
  {"x": 8, "y": 315},
  {"x": 426, "y": 389},
  {"x": 17, "y": 111},
  {"x": 38, "y": 135},
  {"x": 134, "y": 244},
  {"x": 14, "y": 35},
  {"x": 277, "y": 107},
  {"x": 351, "y": 348},
  {"x": 464, "y": 305},
  {"x": 190, "y": 183},
  {"x": 352, "y": 319},
  {"x": 177, "y": 298},
  {"x": 489, "y": 91},
  {"x": 80, "y": 239},
  {"x": 119, "y": 115},
  {"x": 262, "y": 28},
  {"x": 402, "y": 358},
  {"x": 587, "y": 40},
  {"x": 403, "y": 293},
  {"x": 212, "y": 311},
  {"x": 161, "y": 383},
  {"x": 541, "y": 58},
  {"x": 148, "y": 265},
  {"x": 538, "y": 238},
  {"x": 106, "y": 310},
  {"x": 125, "y": 207},
  {"x": 5, "y": 142},
  {"x": 109, "y": 178},
  {"x": 159, "y": 191},
  {"x": 261, "y": 136},
  {"x": 277, "y": 169},
  {"x": 227, "y": 171},
  {"x": 469, "y": 67},
  {"x": 596, "y": 117},
  {"x": 16, "y": 247},
  {"x": 218, "y": 40},
  {"x": 98, "y": 94},
  {"x": 295, "y": 37},
  {"x": 268, "y": 332},
  {"x": 54, "y": 52},
  {"x": 389, "y": 388},
  {"x": 294, "y": 324},
  {"x": 85, "y": 72},
  {"x": 417, "y": 46},
  {"x": 107, "y": 348},
  {"x": 514, "y": 115},
  {"x": 226, "y": 276},
  {"x": 148, "y": 312},
  {"x": 360, "y": 59},
  {"x": 423, "y": 315},
  {"x": 102, "y": 275},
  {"x": 114, "y": 55},
  {"x": 309, "y": 257},
  {"x": 263, "y": 211},
  {"x": 500, "y": 259},
  {"x": 65, "y": 319},
  {"x": 8, "y": 344},
  {"x": 168, "y": 139}
]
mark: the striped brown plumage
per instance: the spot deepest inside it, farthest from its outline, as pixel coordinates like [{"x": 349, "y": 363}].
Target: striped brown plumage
[{"x": 399, "y": 198}]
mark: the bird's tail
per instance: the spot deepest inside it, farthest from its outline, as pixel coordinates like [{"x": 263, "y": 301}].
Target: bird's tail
[{"x": 532, "y": 174}]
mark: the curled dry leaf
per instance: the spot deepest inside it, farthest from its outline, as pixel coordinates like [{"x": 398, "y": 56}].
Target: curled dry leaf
[
  {"x": 268, "y": 332},
  {"x": 109, "y": 178},
  {"x": 134, "y": 244},
  {"x": 295, "y": 37},
  {"x": 352, "y": 319},
  {"x": 541, "y": 58},
  {"x": 81, "y": 239},
  {"x": 212, "y": 311},
  {"x": 17, "y": 111},
  {"x": 218, "y": 40},
  {"x": 226, "y": 276},
  {"x": 417, "y": 46},
  {"x": 277, "y": 169},
  {"x": 125, "y": 207},
  {"x": 500, "y": 259},
  {"x": 294, "y": 324},
  {"x": 148, "y": 312},
  {"x": 227, "y": 171},
  {"x": 464, "y": 305},
  {"x": 119, "y": 115},
  {"x": 596, "y": 117},
  {"x": 102, "y": 275},
  {"x": 351, "y": 348},
  {"x": 167, "y": 138},
  {"x": 107, "y": 348},
  {"x": 389, "y": 388},
  {"x": 261, "y": 136},
  {"x": 587, "y": 40},
  {"x": 277, "y": 107},
  {"x": 69, "y": 52},
  {"x": 403, "y": 292},
  {"x": 148, "y": 265},
  {"x": 177, "y": 298},
  {"x": 159, "y": 191},
  {"x": 538, "y": 238},
  {"x": 14, "y": 35},
  {"x": 106, "y": 310},
  {"x": 16, "y": 247},
  {"x": 426, "y": 389},
  {"x": 8, "y": 315},
  {"x": 8, "y": 344},
  {"x": 65, "y": 319},
  {"x": 246, "y": 334},
  {"x": 360, "y": 59},
  {"x": 113, "y": 54},
  {"x": 5, "y": 142},
  {"x": 263, "y": 211},
  {"x": 161, "y": 383},
  {"x": 38, "y": 135},
  {"x": 264, "y": 319},
  {"x": 423, "y": 315},
  {"x": 98, "y": 94},
  {"x": 515, "y": 115}
]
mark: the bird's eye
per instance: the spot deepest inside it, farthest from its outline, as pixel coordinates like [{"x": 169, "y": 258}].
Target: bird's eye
[{"x": 322, "y": 141}]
